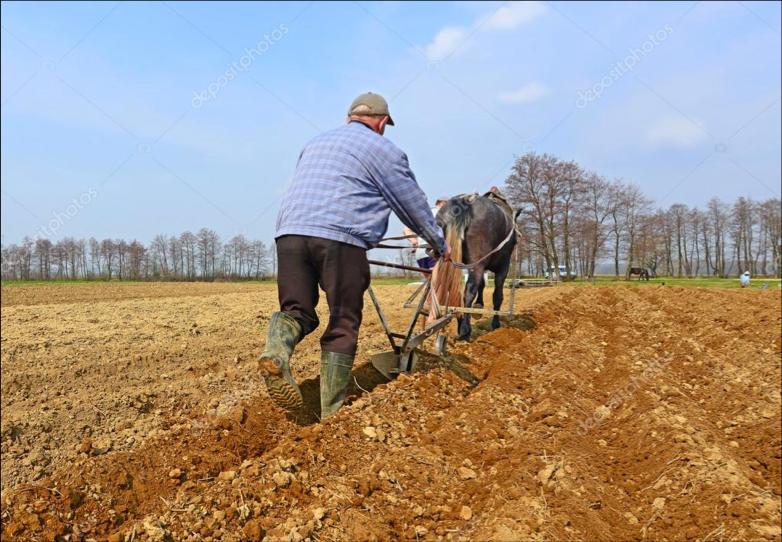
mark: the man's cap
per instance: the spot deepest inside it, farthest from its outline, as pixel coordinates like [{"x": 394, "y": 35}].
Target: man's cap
[
  {"x": 444, "y": 199},
  {"x": 370, "y": 103}
]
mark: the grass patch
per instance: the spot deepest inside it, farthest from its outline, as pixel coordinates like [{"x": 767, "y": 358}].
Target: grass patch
[
  {"x": 601, "y": 280},
  {"x": 698, "y": 282},
  {"x": 15, "y": 283}
]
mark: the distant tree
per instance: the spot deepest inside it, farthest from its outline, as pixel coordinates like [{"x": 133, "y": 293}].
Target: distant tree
[
  {"x": 536, "y": 187},
  {"x": 108, "y": 256},
  {"x": 770, "y": 213},
  {"x": 208, "y": 243},
  {"x": 43, "y": 249},
  {"x": 635, "y": 207},
  {"x": 596, "y": 208},
  {"x": 188, "y": 242}
]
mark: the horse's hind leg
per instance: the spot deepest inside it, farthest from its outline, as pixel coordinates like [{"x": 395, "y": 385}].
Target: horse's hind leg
[
  {"x": 479, "y": 300},
  {"x": 470, "y": 291},
  {"x": 499, "y": 283}
]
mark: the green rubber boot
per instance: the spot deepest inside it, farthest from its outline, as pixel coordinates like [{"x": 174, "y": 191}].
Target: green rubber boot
[
  {"x": 284, "y": 333},
  {"x": 334, "y": 379}
]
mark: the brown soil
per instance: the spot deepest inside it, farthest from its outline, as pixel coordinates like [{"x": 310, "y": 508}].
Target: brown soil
[
  {"x": 605, "y": 413},
  {"x": 49, "y": 294}
]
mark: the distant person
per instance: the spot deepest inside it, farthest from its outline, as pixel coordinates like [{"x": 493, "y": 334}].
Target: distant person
[
  {"x": 744, "y": 279},
  {"x": 418, "y": 244}
]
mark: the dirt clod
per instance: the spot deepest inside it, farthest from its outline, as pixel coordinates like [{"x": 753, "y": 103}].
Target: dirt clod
[
  {"x": 465, "y": 513},
  {"x": 227, "y": 475},
  {"x": 86, "y": 446},
  {"x": 253, "y": 531},
  {"x": 466, "y": 474}
]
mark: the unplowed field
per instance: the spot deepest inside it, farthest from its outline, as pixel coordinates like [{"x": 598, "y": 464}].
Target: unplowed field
[{"x": 135, "y": 412}]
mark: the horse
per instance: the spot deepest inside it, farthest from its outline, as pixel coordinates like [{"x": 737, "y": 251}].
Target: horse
[
  {"x": 643, "y": 274},
  {"x": 481, "y": 233}
]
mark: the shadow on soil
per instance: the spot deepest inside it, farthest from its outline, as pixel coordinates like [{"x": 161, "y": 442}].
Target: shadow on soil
[
  {"x": 522, "y": 321},
  {"x": 366, "y": 378}
]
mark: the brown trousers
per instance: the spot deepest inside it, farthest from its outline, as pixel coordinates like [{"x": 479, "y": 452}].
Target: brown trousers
[{"x": 342, "y": 272}]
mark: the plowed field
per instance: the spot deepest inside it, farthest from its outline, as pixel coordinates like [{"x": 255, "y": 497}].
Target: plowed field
[{"x": 135, "y": 412}]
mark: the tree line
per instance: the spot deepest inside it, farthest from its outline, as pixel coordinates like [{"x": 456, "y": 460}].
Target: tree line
[
  {"x": 188, "y": 256},
  {"x": 576, "y": 218},
  {"x": 567, "y": 217}
]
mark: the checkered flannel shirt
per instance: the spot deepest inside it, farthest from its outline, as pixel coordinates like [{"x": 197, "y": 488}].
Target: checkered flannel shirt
[{"x": 346, "y": 183}]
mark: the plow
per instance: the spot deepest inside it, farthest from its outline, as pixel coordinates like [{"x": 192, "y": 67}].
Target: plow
[
  {"x": 438, "y": 298},
  {"x": 403, "y": 354}
]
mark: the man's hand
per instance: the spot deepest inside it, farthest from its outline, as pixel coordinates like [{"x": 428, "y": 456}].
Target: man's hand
[{"x": 447, "y": 255}]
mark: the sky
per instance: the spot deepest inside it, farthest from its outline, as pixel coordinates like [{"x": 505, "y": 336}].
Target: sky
[{"x": 127, "y": 120}]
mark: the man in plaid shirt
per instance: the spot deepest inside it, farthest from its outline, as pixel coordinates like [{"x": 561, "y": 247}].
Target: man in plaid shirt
[{"x": 347, "y": 182}]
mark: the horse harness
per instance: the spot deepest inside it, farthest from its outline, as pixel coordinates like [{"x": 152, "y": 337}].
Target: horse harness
[
  {"x": 496, "y": 199},
  {"x": 507, "y": 211}
]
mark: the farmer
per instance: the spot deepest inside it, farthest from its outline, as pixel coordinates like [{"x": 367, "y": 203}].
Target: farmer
[
  {"x": 346, "y": 183},
  {"x": 744, "y": 279}
]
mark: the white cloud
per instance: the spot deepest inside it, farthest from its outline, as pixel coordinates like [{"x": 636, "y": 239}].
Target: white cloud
[
  {"x": 514, "y": 14},
  {"x": 530, "y": 92},
  {"x": 509, "y": 16},
  {"x": 445, "y": 42},
  {"x": 675, "y": 132}
]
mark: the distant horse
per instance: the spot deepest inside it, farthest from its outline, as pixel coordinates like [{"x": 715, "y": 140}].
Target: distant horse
[
  {"x": 643, "y": 274},
  {"x": 481, "y": 233}
]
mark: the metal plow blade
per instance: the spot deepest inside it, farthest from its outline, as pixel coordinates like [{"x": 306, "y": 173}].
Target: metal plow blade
[{"x": 390, "y": 364}]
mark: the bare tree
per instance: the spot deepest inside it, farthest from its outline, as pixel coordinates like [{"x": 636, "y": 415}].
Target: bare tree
[
  {"x": 770, "y": 214},
  {"x": 596, "y": 208},
  {"x": 188, "y": 242},
  {"x": 718, "y": 215},
  {"x": 635, "y": 208},
  {"x": 535, "y": 186},
  {"x": 618, "y": 223},
  {"x": 208, "y": 243},
  {"x": 107, "y": 254},
  {"x": 43, "y": 248}
]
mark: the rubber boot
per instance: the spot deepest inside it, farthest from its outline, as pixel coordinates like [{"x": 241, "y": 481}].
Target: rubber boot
[
  {"x": 284, "y": 333},
  {"x": 335, "y": 370}
]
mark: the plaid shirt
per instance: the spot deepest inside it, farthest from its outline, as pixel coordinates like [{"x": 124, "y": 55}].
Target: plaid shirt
[{"x": 347, "y": 182}]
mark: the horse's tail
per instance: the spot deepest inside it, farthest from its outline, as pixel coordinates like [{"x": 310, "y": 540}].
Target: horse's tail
[{"x": 454, "y": 218}]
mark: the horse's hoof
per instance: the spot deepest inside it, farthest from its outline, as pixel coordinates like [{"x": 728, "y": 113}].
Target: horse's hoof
[{"x": 465, "y": 338}]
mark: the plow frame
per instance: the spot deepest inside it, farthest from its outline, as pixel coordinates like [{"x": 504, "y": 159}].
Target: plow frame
[
  {"x": 401, "y": 358},
  {"x": 472, "y": 310}
]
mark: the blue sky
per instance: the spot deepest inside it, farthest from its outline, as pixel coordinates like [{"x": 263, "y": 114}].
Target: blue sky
[{"x": 100, "y": 102}]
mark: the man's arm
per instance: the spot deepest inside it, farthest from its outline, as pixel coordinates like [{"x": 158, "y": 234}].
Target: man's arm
[{"x": 408, "y": 201}]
